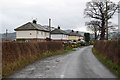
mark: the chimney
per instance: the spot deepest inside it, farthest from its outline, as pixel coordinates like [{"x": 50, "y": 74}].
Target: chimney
[
  {"x": 58, "y": 27},
  {"x": 34, "y": 21},
  {"x": 76, "y": 31}
]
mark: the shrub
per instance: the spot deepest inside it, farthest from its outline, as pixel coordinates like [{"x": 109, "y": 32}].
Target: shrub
[
  {"x": 15, "y": 54},
  {"x": 82, "y": 43},
  {"x": 87, "y": 37},
  {"x": 91, "y": 42},
  {"x": 67, "y": 45},
  {"x": 110, "y": 49}
]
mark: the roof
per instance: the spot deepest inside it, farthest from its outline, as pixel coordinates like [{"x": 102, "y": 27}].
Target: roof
[
  {"x": 74, "y": 34},
  {"x": 32, "y": 26},
  {"x": 58, "y": 31}
]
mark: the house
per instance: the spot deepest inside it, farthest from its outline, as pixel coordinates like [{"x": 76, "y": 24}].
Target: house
[
  {"x": 74, "y": 36},
  {"x": 32, "y": 31},
  {"x": 59, "y": 35}
]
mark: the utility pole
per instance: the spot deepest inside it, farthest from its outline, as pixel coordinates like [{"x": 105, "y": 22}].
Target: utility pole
[
  {"x": 106, "y": 20},
  {"x": 49, "y": 28},
  {"x": 119, "y": 17},
  {"x": 118, "y": 20},
  {"x": 6, "y": 34}
]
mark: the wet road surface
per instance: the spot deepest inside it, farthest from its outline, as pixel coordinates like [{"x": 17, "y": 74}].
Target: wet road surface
[{"x": 77, "y": 64}]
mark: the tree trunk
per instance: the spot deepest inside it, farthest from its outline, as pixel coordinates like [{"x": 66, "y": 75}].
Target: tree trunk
[
  {"x": 95, "y": 35},
  {"x": 102, "y": 36}
]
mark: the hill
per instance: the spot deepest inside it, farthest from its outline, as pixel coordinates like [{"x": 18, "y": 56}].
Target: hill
[{"x": 10, "y": 36}]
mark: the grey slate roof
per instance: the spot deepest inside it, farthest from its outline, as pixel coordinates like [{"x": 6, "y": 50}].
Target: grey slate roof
[
  {"x": 32, "y": 26},
  {"x": 74, "y": 34},
  {"x": 58, "y": 31}
]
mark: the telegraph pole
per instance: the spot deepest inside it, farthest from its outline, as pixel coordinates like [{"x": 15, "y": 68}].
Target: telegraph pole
[
  {"x": 118, "y": 20},
  {"x": 6, "y": 33},
  {"x": 119, "y": 17},
  {"x": 106, "y": 20},
  {"x": 49, "y": 28}
]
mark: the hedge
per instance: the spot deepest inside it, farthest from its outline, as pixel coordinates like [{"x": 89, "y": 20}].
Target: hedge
[{"x": 109, "y": 49}]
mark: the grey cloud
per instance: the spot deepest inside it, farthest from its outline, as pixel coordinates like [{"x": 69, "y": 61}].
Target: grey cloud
[{"x": 67, "y": 13}]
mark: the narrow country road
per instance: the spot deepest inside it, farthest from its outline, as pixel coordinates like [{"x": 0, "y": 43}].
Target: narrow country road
[{"x": 77, "y": 64}]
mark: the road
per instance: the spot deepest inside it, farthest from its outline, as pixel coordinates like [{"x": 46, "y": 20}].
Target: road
[{"x": 77, "y": 64}]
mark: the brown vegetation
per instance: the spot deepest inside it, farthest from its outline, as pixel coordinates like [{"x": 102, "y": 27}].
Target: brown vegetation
[
  {"x": 109, "y": 49},
  {"x": 16, "y": 55}
]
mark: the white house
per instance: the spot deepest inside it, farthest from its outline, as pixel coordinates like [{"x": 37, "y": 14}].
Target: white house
[
  {"x": 59, "y": 35},
  {"x": 32, "y": 31},
  {"x": 74, "y": 36}
]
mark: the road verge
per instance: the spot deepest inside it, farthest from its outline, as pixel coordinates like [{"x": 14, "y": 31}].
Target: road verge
[
  {"x": 115, "y": 68},
  {"x": 18, "y": 65}
]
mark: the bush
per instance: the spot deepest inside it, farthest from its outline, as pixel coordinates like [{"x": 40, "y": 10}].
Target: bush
[
  {"x": 87, "y": 37},
  {"x": 67, "y": 45},
  {"x": 109, "y": 49},
  {"x": 115, "y": 68},
  {"x": 82, "y": 43},
  {"x": 91, "y": 42},
  {"x": 12, "y": 50},
  {"x": 15, "y": 54}
]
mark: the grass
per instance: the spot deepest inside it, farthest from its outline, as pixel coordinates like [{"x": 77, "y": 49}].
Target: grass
[
  {"x": 68, "y": 50},
  {"x": 17, "y": 65},
  {"x": 115, "y": 68}
]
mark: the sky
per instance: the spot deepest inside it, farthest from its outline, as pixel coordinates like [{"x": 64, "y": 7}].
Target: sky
[{"x": 68, "y": 14}]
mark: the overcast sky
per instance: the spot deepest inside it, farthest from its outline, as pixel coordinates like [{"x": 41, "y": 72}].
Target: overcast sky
[{"x": 69, "y": 14}]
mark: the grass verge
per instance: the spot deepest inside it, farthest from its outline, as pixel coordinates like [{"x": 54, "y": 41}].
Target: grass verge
[
  {"x": 10, "y": 68},
  {"x": 115, "y": 68}
]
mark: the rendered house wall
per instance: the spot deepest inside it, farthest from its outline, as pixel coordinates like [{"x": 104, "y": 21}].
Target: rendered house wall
[
  {"x": 31, "y": 34},
  {"x": 59, "y": 37}
]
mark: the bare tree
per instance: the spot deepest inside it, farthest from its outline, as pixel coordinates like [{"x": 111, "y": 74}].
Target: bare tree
[
  {"x": 98, "y": 10},
  {"x": 94, "y": 26},
  {"x": 112, "y": 27}
]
